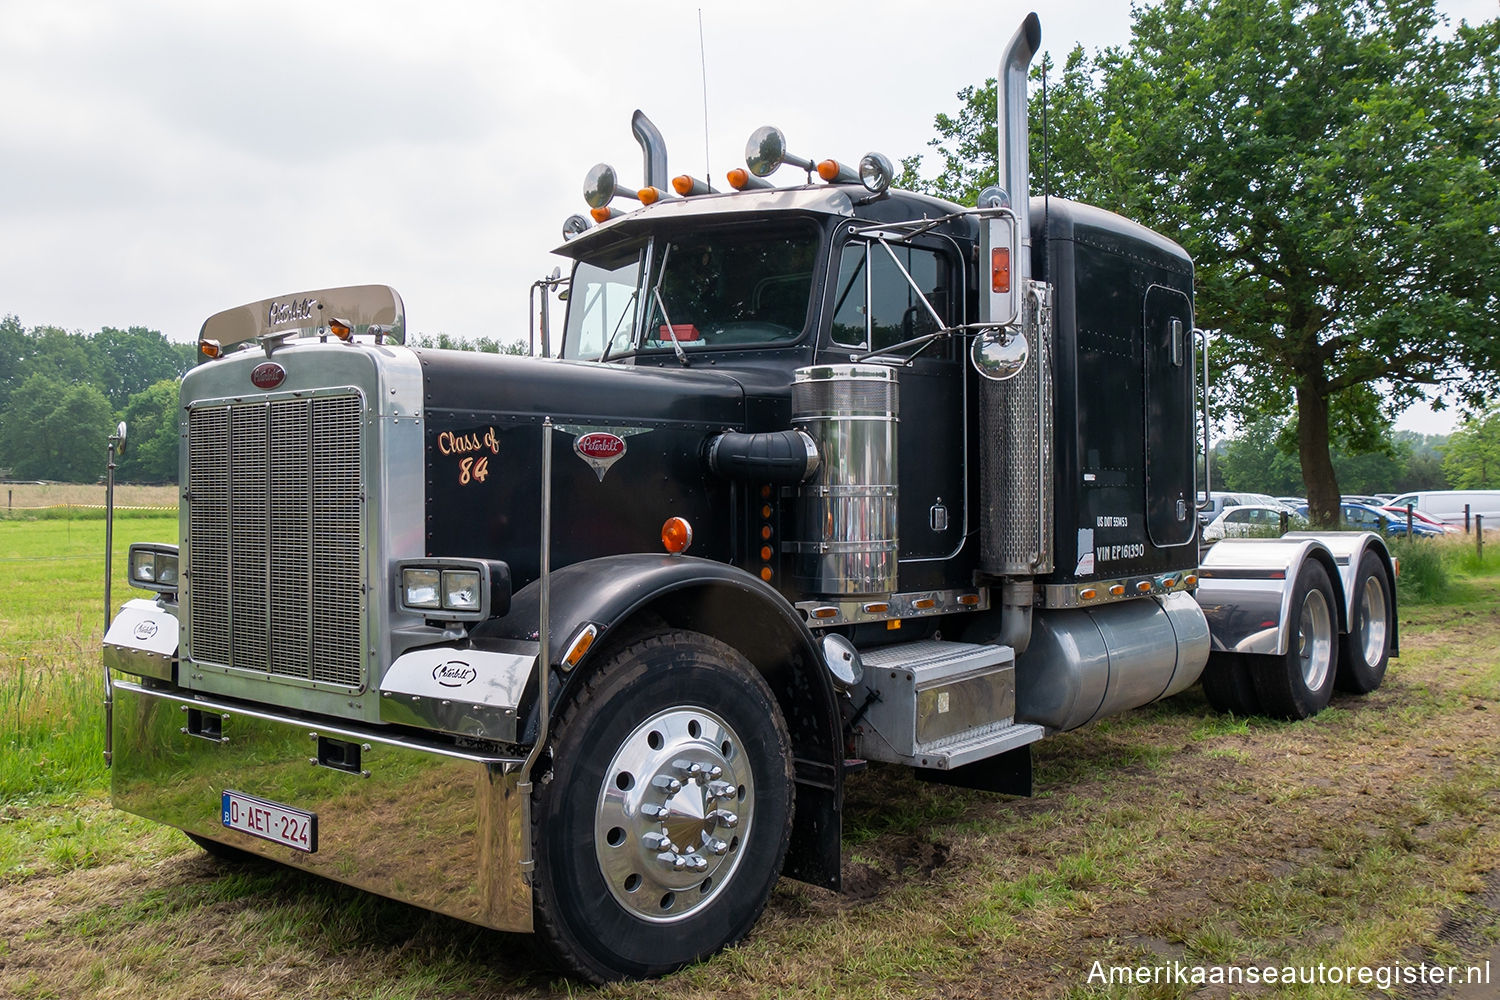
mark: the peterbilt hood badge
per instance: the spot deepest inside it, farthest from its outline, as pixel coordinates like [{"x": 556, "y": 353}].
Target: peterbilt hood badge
[
  {"x": 267, "y": 375},
  {"x": 601, "y": 447},
  {"x": 454, "y": 673}
]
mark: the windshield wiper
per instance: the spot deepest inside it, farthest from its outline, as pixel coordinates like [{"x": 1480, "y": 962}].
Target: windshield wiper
[
  {"x": 682, "y": 357},
  {"x": 615, "y": 333}
]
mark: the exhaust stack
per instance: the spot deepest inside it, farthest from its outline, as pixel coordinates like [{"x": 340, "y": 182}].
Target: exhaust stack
[{"x": 1014, "y": 161}]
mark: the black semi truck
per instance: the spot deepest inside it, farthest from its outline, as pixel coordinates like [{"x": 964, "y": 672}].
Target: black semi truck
[{"x": 585, "y": 643}]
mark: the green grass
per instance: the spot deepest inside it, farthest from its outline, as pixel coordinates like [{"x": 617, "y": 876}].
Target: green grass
[{"x": 51, "y": 627}]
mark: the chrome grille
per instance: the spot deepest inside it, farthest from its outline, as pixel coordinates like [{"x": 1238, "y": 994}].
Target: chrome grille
[{"x": 274, "y": 527}]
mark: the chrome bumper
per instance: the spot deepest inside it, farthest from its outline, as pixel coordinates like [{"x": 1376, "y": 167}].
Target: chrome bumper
[{"x": 418, "y": 822}]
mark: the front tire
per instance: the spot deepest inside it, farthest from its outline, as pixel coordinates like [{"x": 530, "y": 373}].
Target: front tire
[
  {"x": 664, "y": 821},
  {"x": 1299, "y": 683},
  {"x": 1366, "y": 648}
]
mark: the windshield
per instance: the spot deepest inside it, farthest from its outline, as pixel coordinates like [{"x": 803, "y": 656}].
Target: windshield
[{"x": 724, "y": 288}]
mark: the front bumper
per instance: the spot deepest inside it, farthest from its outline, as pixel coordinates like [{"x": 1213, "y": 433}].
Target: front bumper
[{"x": 420, "y": 822}]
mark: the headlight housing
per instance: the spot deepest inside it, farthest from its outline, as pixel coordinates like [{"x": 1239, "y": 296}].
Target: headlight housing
[
  {"x": 454, "y": 589},
  {"x": 153, "y": 566}
]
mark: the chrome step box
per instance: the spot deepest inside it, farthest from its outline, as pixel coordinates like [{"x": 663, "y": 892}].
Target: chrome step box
[{"x": 939, "y": 704}]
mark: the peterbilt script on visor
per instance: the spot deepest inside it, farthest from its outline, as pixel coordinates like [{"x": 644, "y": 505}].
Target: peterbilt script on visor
[{"x": 813, "y": 474}]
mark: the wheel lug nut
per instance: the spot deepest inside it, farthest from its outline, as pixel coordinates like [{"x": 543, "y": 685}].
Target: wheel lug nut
[
  {"x": 667, "y": 783},
  {"x": 715, "y": 772},
  {"x": 655, "y": 842},
  {"x": 697, "y": 863},
  {"x": 652, "y": 809},
  {"x": 724, "y": 818},
  {"x": 718, "y": 846},
  {"x": 670, "y": 860},
  {"x": 720, "y": 789}
]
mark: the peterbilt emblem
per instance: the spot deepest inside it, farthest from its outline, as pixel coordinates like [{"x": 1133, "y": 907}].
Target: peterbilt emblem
[
  {"x": 145, "y": 629},
  {"x": 600, "y": 450},
  {"x": 290, "y": 312},
  {"x": 267, "y": 375},
  {"x": 454, "y": 673}
]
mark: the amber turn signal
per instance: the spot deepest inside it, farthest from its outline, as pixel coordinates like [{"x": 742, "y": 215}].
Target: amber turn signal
[
  {"x": 676, "y": 535},
  {"x": 209, "y": 348}
]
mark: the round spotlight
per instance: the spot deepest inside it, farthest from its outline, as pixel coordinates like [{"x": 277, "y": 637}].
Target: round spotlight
[
  {"x": 876, "y": 173},
  {"x": 573, "y": 226}
]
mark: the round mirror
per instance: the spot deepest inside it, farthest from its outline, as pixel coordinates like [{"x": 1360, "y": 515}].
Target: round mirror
[
  {"x": 999, "y": 354},
  {"x": 120, "y": 438},
  {"x": 599, "y": 185},
  {"x": 765, "y": 151}
]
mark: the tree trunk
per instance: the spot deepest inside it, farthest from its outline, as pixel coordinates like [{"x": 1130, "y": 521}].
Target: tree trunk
[{"x": 1312, "y": 448}]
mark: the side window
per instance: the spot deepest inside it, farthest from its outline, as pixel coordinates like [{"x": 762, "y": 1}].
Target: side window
[{"x": 875, "y": 307}]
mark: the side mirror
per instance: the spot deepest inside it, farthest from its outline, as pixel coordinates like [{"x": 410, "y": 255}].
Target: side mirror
[
  {"x": 120, "y": 438},
  {"x": 999, "y": 354}
]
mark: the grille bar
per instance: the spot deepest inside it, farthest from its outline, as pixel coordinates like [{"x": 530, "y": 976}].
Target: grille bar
[{"x": 275, "y": 531}]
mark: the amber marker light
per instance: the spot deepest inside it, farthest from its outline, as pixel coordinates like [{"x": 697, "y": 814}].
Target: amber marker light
[
  {"x": 603, "y": 214},
  {"x": 876, "y": 608},
  {"x": 1088, "y": 593},
  {"x": 1118, "y": 590},
  {"x": 1000, "y": 270},
  {"x": 925, "y": 604},
  {"x": 1143, "y": 586},
  {"x": 738, "y": 178},
  {"x": 765, "y": 573},
  {"x": 968, "y": 600},
  {"x": 676, "y": 535},
  {"x": 650, "y": 195},
  {"x": 209, "y": 348},
  {"x": 682, "y": 184},
  {"x": 580, "y": 645},
  {"x": 1190, "y": 581},
  {"x": 339, "y": 328}
]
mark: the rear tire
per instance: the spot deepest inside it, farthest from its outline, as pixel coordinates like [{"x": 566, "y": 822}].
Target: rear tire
[
  {"x": 1366, "y": 648},
  {"x": 663, "y": 823},
  {"x": 1300, "y": 682},
  {"x": 1228, "y": 685}
]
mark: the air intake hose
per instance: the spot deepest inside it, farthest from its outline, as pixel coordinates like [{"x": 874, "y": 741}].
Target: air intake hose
[{"x": 783, "y": 458}]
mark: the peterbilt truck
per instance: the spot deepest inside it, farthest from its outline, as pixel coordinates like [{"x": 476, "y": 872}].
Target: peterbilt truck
[{"x": 586, "y": 643}]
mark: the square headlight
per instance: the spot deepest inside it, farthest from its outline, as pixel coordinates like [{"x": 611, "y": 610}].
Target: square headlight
[
  {"x": 154, "y": 567},
  {"x": 419, "y": 588},
  {"x": 461, "y": 589}
]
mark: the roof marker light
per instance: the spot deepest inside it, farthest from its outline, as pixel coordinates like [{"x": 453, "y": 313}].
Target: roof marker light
[
  {"x": 209, "y": 348},
  {"x": 603, "y": 214},
  {"x": 652, "y": 195},
  {"x": 742, "y": 180},
  {"x": 339, "y": 328},
  {"x": 676, "y": 535},
  {"x": 835, "y": 172},
  {"x": 689, "y": 186}
]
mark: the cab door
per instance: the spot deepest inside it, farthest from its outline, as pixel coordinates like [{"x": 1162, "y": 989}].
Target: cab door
[{"x": 875, "y": 308}]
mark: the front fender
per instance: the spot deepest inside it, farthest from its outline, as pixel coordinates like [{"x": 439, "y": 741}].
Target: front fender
[{"x": 623, "y": 594}]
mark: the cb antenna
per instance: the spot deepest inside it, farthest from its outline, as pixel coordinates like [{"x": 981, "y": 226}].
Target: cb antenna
[{"x": 703, "y": 65}]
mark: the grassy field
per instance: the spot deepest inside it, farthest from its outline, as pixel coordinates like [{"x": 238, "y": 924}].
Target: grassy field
[
  {"x": 26, "y": 499},
  {"x": 1369, "y": 835}
]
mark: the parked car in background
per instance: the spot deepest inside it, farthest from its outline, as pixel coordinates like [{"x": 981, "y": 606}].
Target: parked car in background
[
  {"x": 1448, "y": 505},
  {"x": 1293, "y": 502},
  {"x": 1363, "y": 517},
  {"x": 1366, "y": 499},
  {"x": 1418, "y": 517},
  {"x": 1218, "y": 501},
  {"x": 1253, "y": 521}
]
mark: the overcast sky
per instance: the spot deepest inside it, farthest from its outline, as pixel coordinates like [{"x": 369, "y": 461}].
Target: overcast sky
[{"x": 163, "y": 160}]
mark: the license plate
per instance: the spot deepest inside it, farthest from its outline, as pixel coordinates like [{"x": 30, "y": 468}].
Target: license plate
[{"x": 271, "y": 821}]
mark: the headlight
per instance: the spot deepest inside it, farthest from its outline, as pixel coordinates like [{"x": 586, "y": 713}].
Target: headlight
[
  {"x": 456, "y": 589},
  {"x": 419, "y": 588},
  {"x": 154, "y": 567}
]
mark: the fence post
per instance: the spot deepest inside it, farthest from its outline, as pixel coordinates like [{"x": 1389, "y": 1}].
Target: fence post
[
  {"x": 1479, "y": 536},
  {"x": 1466, "y": 519},
  {"x": 1408, "y": 520}
]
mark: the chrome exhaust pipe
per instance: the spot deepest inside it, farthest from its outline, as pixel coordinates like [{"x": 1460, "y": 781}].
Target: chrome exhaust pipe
[
  {"x": 1014, "y": 161},
  {"x": 653, "y": 150}
]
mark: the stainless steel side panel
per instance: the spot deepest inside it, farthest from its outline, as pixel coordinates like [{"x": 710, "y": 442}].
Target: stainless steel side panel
[
  {"x": 428, "y": 825},
  {"x": 142, "y": 640}
]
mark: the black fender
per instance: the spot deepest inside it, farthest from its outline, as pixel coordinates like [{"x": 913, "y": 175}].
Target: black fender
[{"x": 622, "y": 595}]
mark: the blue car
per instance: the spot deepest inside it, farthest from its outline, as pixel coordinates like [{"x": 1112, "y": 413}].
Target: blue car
[{"x": 1362, "y": 517}]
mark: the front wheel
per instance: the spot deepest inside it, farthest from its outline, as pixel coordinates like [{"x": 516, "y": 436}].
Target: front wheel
[{"x": 663, "y": 823}]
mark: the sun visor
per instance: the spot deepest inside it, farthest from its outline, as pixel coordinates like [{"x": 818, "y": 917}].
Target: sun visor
[{"x": 359, "y": 309}]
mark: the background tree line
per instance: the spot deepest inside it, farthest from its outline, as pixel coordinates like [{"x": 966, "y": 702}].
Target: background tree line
[
  {"x": 62, "y": 393},
  {"x": 1333, "y": 168}
]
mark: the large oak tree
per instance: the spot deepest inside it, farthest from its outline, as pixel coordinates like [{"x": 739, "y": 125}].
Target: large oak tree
[{"x": 1331, "y": 165}]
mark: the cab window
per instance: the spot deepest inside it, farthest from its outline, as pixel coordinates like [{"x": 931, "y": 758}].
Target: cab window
[{"x": 875, "y": 307}]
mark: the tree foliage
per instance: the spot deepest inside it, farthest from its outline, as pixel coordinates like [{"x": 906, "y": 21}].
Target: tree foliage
[
  {"x": 1472, "y": 459},
  {"x": 1331, "y": 165}
]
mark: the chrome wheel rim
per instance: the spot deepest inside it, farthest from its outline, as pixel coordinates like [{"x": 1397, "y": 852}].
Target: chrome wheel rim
[
  {"x": 1315, "y": 640},
  {"x": 674, "y": 808},
  {"x": 1372, "y": 622}
]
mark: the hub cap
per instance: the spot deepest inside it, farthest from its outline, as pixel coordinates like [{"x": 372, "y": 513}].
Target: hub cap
[
  {"x": 676, "y": 802},
  {"x": 1315, "y": 640},
  {"x": 1372, "y": 623}
]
